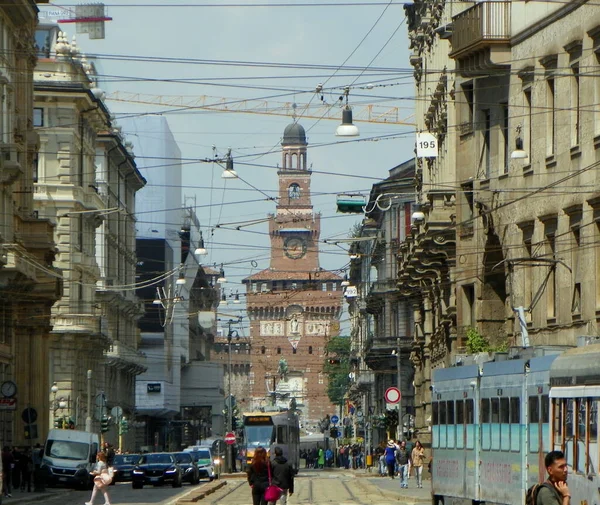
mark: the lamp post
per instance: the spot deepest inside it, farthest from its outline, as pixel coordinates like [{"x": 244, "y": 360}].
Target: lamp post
[
  {"x": 399, "y": 380},
  {"x": 88, "y": 419},
  {"x": 230, "y": 334},
  {"x": 60, "y": 403}
]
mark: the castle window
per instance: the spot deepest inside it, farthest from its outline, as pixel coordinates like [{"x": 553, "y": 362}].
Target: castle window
[
  {"x": 294, "y": 191},
  {"x": 310, "y": 349},
  {"x": 279, "y": 350},
  {"x": 262, "y": 349},
  {"x": 294, "y": 350}
]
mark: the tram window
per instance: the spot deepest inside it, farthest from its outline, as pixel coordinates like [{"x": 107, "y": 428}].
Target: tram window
[
  {"x": 485, "y": 410},
  {"x": 545, "y": 409},
  {"x": 504, "y": 427},
  {"x": 282, "y": 437},
  {"x": 515, "y": 410},
  {"x": 442, "y": 414},
  {"x": 460, "y": 412},
  {"x": 593, "y": 420},
  {"x": 469, "y": 411},
  {"x": 581, "y": 418},
  {"x": 450, "y": 412},
  {"x": 569, "y": 425},
  {"x": 470, "y": 419},
  {"x": 558, "y": 423},
  {"x": 534, "y": 409},
  {"x": 434, "y": 413},
  {"x": 504, "y": 411},
  {"x": 495, "y": 411}
]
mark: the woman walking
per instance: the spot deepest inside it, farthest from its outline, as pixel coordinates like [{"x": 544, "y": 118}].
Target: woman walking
[
  {"x": 390, "y": 458},
  {"x": 258, "y": 476},
  {"x": 417, "y": 459},
  {"x": 102, "y": 479}
]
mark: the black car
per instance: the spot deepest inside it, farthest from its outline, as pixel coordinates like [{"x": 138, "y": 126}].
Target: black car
[
  {"x": 189, "y": 468},
  {"x": 123, "y": 465},
  {"x": 157, "y": 469}
]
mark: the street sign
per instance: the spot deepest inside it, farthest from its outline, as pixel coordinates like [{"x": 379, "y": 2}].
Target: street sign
[
  {"x": 427, "y": 145},
  {"x": 359, "y": 414},
  {"x": 29, "y": 415},
  {"x": 116, "y": 411},
  {"x": 392, "y": 395},
  {"x": 339, "y": 434},
  {"x": 335, "y": 419},
  {"x": 8, "y": 404},
  {"x": 230, "y": 438}
]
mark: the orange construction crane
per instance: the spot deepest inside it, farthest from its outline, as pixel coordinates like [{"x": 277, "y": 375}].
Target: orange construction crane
[{"x": 362, "y": 113}]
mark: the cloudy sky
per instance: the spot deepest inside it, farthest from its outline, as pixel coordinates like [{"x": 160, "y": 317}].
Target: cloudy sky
[{"x": 279, "y": 51}]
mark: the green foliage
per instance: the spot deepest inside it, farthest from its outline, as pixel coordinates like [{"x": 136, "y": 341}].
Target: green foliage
[
  {"x": 476, "y": 342},
  {"x": 337, "y": 368}
]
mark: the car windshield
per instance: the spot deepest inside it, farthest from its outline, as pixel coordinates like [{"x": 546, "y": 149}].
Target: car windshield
[
  {"x": 126, "y": 459},
  {"x": 65, "y": 449},
  {"x": 151, "y": 459},
  {"x": 202, "y": 454},
  {"x": 183, "y": 457}
]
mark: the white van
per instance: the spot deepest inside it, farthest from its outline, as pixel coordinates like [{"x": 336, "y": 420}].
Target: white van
[{"x": 69, "y": 457}]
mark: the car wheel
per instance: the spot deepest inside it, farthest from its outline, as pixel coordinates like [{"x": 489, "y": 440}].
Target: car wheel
[
  {"x": 137, "y": 485},
  {"x": 211, "y": 479}
]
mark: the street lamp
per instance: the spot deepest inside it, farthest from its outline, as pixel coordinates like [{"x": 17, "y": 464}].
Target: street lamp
[
  {"x": 230, "y": 334},
  {"x": 60, "y": 403}
]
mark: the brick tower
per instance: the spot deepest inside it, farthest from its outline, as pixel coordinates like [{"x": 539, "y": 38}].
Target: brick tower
[{"x": 293, "y": 306}]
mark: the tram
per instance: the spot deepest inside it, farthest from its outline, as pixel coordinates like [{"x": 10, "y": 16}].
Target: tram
[
  {"x": 493, "y": 423},
  {"x": 270, "y": 430}
]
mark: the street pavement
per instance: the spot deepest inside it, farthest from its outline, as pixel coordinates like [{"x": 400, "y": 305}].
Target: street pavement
[{"x": 313, "y": 487}]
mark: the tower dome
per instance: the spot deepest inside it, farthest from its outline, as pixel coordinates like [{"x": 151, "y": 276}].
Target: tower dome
[{"x": 294, "y": 135}]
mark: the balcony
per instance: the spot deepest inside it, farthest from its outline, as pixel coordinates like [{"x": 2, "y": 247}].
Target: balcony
[
  {"x": 76, "y": 323},
  {"x": 125, "y": 357},
  {"x": 481, "y": 37}
]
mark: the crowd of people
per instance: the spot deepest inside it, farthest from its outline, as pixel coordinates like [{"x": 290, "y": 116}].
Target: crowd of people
[
  {"x": 398, "y": 459},
  {"x": 20, "y": 469}
]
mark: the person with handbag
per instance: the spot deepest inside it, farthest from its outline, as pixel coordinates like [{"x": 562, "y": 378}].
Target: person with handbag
[
  {"x": 283, "y": 476},
  {"x": 102, "y": 479},
  {"x": 259, "y": 476}
]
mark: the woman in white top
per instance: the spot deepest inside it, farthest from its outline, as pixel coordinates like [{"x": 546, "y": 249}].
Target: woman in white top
[{"x": 102, "y": 479}]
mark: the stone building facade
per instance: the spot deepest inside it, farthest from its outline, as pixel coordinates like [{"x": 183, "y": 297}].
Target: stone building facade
[
  {"x": 29, "y": 284},
  {"x": 293, "y": 306}
]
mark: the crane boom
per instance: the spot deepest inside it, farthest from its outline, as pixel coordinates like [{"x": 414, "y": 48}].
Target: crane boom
[{"x": 362, "y": 113}]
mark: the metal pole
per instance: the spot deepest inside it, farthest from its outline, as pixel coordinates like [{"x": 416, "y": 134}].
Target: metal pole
[
  {"x": 229, "y": 409},
  {"x": 398, "y": 371},
  {"x": 88, "y": 419}
]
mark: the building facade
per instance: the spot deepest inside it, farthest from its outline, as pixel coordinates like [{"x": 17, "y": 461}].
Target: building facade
[
  {"x": 68, "y": 114},
  {"x": 381, "y": 315},
  {"x": 29, "y": 284},
  {"x": 293, "y": 306}
]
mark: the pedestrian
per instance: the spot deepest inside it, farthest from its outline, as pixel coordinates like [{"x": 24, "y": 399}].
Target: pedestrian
[
  {"x": 329, "y": 458},
  {"x": 282, "y": 476},
  {"x": 390, "y": 458},
  {"x": 109, "y": 451},
  {"x": 16, "y": 473},
  {"x": 26, "y": 470},
  {"x": 554, "y": 491},
  {"x": 403, "y": 462},
  {"x": 258, "y": 476},
  {"x": 417, "y": 458},
  {"x": 39, "y": 481},
  {"x": 321, "y": 458},
  {"x": 8, "y": 465},
  {"x": 101, "y": 479}
]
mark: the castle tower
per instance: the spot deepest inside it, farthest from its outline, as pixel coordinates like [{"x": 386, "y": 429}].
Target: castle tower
[{"x": 294, "y": 306}]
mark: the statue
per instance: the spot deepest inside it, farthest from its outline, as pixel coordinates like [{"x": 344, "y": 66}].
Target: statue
[
  {"x": 294, "y": 325},
  {"x": 282, "y": 368}
]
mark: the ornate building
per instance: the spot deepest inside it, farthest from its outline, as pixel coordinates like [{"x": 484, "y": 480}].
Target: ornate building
[{"x": 293, "y": 306}]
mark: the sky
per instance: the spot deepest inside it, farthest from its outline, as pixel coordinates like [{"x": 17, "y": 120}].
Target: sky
[{"x": 279, "y": 51}]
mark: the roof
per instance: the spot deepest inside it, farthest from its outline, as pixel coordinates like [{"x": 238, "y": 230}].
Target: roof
[
  {"x": 276, "y": 275},
  {"x": 294, "y": 135}
]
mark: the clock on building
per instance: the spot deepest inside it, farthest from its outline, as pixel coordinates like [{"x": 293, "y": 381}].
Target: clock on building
[
  {"x": 294, "y": 248},
  {"x": 8, "y": 389}
]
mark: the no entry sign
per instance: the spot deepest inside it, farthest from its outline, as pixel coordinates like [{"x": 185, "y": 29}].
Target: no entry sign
[
  {"x": 230, "y": 438},
  {"x": 392, "y": 395}
]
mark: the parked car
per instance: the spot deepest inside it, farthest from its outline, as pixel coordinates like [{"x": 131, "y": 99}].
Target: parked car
[
  {"x": 189, "y": 468},
  {"x": 156, "y": 468},
  {"x": 123, "y": 465},
  {"x": 202, "y": 456}
]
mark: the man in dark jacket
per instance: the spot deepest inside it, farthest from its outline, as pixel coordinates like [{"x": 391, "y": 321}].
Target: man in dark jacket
[{"x": 283, "y": 475}]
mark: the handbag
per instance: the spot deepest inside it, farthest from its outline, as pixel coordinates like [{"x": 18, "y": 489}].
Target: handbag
[{"x": 272, "y": 493}]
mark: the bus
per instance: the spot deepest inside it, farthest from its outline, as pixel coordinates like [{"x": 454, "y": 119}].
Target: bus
[{"x": 270, "y": 430}]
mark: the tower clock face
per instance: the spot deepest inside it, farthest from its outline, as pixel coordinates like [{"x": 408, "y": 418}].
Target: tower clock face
[{"x": 294, "y": 248}]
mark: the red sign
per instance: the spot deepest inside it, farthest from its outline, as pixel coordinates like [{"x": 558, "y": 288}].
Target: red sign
[
  {"x": 392, "y": 395},
  {"x": 230, "y": 438},
  {"x": 8, "y": 403}
]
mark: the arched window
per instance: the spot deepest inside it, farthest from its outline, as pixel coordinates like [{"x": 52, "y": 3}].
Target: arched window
[
  {"x": 294, "y": 350},
  {"x": 262, "y": 349},
  {"x": 310, "y": 349},
  {"x": 294, "y": 191},
  {"x": 279, "y": 350}
]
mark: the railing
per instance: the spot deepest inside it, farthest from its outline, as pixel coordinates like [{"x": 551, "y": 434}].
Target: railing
[{"x": 485, "y": 21}]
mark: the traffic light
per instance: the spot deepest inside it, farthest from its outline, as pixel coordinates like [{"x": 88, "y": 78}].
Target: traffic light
[
  {"x": 104, "y": 424},
  {"x": 333, "y": 432},
  {"x": 124, "y": 425}
]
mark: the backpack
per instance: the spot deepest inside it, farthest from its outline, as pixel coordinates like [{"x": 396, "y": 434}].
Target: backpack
[{"x": 532, "y": 492}]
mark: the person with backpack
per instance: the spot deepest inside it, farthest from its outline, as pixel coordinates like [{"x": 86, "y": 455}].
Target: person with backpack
[
  {"x": 553, "y": 491},
  {"x": 403, "y": 463}
]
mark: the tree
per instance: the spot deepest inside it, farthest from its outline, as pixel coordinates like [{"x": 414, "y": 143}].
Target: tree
[{"x": 337, "y": 368}]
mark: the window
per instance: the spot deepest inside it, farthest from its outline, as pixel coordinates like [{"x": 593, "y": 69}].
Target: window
[
  {"x": 467, "y": 209},
  {"x": 505, "y": 142},
  {"x": 515, "y": 410},
  {"x": 263, "y": 350},
  {"x": 450, "y": 412},
  {"x": 558, "y": 423},
  {"x": 575, "y": 246},
  {"x": 527, "y": 270},
  {"x": 467, "y": 107},
  {"x": 534, "y": 409},
  {"x": 43, "y": 42},
  {"x": 528, "y": 130},
  {"x": 551, "y": 117},
  {"x": 324, "y": 286},
  {"x": 282, "y": 435},
  {"x": 279, "y": 350},
  {"x": 263, "y": 287},
  {"x": 310, "y": 350},
  {"x": 254, "y": 287},
  {"x": 334, "y": 286},
  {"x": 575, "y": 105},
  {"x": 533, "y": 425},
  {"x": 470, "y": 419},
  {"x": 38, "y": 116},
  {"x": 550, "y": 253},
  {"x": 294, "y": 350},
  {"x": 294, "y": 191},
  {"x": 434, "y": 413},
  {"x": 35, "y": 165},
  {"x": 487, "y": 142},
  {"x": 469, "y": 305},
  {"x": 294, "y": 285}
]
